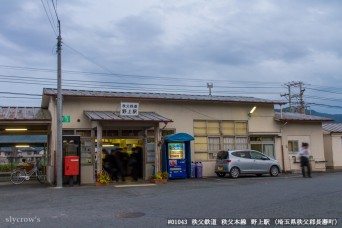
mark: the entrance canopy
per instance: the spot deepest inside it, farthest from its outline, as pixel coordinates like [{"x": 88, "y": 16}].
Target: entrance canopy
[
  {"x": 24, "y": 121},
  {"x": 115, "y": 116},
  {"x": 179, "y": 137}
]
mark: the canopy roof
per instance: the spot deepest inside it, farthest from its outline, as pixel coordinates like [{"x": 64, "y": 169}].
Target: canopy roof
[{"x": 179, "y": 137}]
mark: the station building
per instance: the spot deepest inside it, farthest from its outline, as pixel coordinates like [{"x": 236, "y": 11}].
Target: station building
[{"x": 106, "y": 120}]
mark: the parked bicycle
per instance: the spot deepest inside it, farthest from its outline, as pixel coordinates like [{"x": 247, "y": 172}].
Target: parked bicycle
[{"x": 18, "y": 176}]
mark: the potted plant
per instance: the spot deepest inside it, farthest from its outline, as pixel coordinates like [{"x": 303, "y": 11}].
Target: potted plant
[
  {"x": 159, "y": 178},
  {"x": 103, "y": 178}
]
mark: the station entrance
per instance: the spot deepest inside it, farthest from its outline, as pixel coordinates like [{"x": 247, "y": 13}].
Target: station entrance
[{"x": 123, "y": 158}]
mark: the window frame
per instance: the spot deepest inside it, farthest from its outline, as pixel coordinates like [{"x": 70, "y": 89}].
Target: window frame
[
  {"x": 225, "y": 129},
  {"x": 292, "y": 145}
]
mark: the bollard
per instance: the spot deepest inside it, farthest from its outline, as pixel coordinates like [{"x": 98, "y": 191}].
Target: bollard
[
  {"x": 198, "y": 166},
  {"x": 71, "y": 181},
  {"x": 193, "y": 170}
]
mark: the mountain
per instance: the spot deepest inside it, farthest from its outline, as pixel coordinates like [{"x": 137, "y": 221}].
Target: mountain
[{"x": 336, "y": 117}]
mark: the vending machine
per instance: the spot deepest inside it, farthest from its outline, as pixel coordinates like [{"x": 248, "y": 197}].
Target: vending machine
[
  {"x": 176, "y": 162},
  {"x": 176, "y": 155}
]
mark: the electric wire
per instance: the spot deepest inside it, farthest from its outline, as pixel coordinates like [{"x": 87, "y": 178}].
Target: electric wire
[
  {"x": 51, "y": 16},
  {"x": 55, "y": 8},
  {"x": 83, "y": 82},
  {"x": 53, "y": 28},
  {"x": 183, "y": 79}
]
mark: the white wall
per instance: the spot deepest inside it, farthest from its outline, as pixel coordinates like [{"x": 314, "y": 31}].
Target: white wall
[
  {"x": 184, "y": 112},
  {"x": 304, "y": 132},
  {"x": 337, "y": 151},
  {"x": 327, "y": 139}
]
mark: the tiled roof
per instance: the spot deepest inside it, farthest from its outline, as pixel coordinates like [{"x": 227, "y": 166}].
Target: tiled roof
[
  {"x": 163, "y": 96},
  {"x": 333, "y": 127},
  {"x": 24, "y": 113},
  {"x": 288, "y": 116},
  {"x": 115, "y": 116}
]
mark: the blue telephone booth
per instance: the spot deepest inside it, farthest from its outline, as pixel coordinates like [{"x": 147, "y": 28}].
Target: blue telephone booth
[{"x": 176, "y": 156}]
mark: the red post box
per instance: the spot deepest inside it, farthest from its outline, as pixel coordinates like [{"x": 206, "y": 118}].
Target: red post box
[{"x": 71, "y": 165}]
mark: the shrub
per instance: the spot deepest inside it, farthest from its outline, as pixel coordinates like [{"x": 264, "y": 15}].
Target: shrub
[
  {"x": 6, "y": 167},
  {"x": 159, "y": 176},
  {"x": 103, "y": 177}
]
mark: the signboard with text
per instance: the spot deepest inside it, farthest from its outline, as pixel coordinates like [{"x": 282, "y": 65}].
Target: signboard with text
[
  {"x": 65, "y": 119},
  {"x": 129, "y": 109}
]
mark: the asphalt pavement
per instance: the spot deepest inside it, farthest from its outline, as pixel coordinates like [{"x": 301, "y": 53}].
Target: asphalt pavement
[{"x": 203, "y": 202}]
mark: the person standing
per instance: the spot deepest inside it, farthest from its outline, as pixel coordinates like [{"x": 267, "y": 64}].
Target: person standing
[
  {"x": 133, "y": 162},
  {"x": 304, "y": 159},
  {"x": 119, "y": 158}
]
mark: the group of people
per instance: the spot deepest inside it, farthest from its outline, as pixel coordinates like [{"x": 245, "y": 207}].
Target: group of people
[{"x": 117, "y": 164}]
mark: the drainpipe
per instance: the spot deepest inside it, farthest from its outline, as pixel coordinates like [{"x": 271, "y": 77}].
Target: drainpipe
[{"x": 282, "y": 146}]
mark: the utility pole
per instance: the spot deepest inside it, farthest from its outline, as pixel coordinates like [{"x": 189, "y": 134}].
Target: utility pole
[
  {"x": 301, "y": 100},
  {"x": 288, "y": 95},
  {"x": 59, "y": 157},
  {"x": 299, "y": 105}
]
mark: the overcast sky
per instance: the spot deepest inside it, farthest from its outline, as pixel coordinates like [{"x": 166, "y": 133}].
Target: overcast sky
[{"x": 245, "y": 48}]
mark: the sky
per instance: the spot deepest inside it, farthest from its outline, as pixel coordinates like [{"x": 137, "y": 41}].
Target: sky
[{"x": 254, "y": 48}]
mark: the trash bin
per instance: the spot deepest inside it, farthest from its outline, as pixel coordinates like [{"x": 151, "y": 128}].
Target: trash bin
[
  {"x": 193, "y": 170},
  {"x": 198, "y": 166}
]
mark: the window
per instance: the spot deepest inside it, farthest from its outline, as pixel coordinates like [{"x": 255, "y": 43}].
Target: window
[
  {"x": 213, "y": 146},
  {"x": 83, "y": 133},
  {"x": 132, "y": 132},
  {"x": 293, "y": 146},
  {"x": 211, "y": 136},
  {"x": 228, "y": 143},
  {"x": 241, "y": 143},
  {"x": 68, "y": 132},
  {"x": 264, "y": 144}
]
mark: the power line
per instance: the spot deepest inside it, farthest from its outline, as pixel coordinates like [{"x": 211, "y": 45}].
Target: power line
[
  {"x": 326, "y": 91},
  {"x": 326, "y": 105},
  {"x": 55, "y": 8},
  {"x": 275, "y": 84},
  {"x": 32, "y": 98},
  {"x": 53, "y": 28},
  {"x": 26, "y": 94},
  {"x": 41, "y": 79}
]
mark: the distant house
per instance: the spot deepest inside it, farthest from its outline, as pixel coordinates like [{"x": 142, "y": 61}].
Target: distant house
[{"x": 333, "y": 145}]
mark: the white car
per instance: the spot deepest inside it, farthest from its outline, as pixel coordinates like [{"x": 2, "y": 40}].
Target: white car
[{"x": 236, "y": 162}]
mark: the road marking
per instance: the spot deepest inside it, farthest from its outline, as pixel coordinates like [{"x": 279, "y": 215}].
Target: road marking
[{"x": 133, "y": 185}]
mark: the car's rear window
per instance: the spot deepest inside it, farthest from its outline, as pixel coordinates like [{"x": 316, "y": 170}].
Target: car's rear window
[{"x": 222, "y": 154}]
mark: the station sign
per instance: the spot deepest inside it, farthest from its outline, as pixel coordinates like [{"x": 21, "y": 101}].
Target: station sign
[{"x": 129, "y": 109}]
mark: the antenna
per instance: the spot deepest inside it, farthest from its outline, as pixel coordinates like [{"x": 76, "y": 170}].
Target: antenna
[{"x": 210, "y": 85}]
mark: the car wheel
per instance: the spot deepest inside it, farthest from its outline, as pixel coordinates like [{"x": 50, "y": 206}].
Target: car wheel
[
  {"x": 274, "y": 171},
  {"x": 234, "y": 172},
  {"x": 259, "y": 175},
  {"x": 220, "y": 174}
]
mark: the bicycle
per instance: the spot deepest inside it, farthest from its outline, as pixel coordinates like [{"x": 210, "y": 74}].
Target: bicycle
[{"x": 18, "y": 176}]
